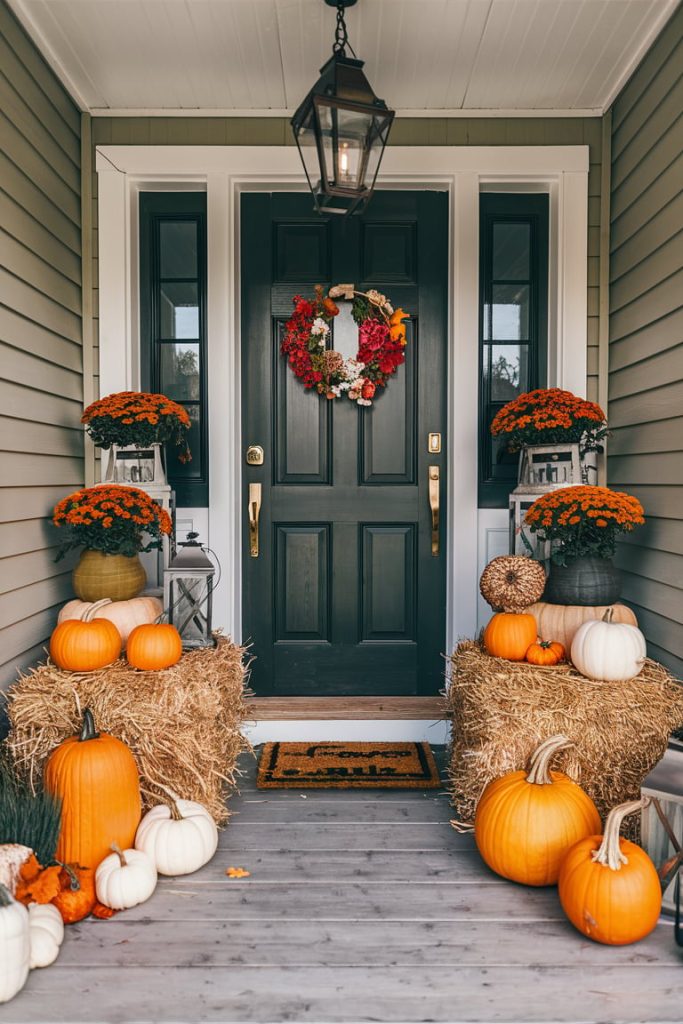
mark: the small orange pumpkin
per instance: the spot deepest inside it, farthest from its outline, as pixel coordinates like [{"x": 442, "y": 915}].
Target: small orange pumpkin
[
  {"x": 154, "y": 646},
  {"x": 76, "y": 898},
  {"x": 510, "y": 634},
  {"x": 526, "y": 821},
  {"x": 96, "y": 778},
  {"x": 85, "y": 645},
  {"x": 546, "y": 652},
  {"x": 608, "y": 887}
]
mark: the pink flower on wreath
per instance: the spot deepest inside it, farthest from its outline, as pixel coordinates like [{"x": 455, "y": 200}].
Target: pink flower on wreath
[{"x": 373, "y": 334}]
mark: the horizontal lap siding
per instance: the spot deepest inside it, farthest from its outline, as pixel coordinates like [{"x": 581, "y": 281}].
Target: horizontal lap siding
[
  {"x": 41, "y": 391},
  {"x": 646, "y": 336}
]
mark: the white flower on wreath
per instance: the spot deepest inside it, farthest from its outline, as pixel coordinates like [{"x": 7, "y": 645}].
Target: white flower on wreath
[
  {"x": 319, "y": 327},
  {"x": 353, "y": 370},
  {"x": 363, "y": 401}
]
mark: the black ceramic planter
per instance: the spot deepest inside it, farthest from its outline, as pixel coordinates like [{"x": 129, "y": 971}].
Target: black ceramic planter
[{"x": 585, "y": 581}]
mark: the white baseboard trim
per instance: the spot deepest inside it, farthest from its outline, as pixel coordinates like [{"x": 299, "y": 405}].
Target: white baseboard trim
[{"x": 433, "y": 731}]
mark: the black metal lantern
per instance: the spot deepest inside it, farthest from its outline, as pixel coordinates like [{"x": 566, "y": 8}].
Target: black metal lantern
[
  {"x": 341, "y": 129},
  {"x": 188, "y": 593}
]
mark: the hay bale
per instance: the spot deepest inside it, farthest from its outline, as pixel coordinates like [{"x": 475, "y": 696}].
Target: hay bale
[
  {"x": 502, "y": 710},
  {"x": 182, "y": 723}
]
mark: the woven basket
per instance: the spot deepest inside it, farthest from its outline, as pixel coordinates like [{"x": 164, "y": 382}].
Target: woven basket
[
  {"x": 585, "y": 581},
  {"x": 98, "y": 575}
]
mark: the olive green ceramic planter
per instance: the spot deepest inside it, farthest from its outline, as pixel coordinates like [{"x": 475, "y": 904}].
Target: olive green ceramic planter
[{"x": 98, "y": 575}]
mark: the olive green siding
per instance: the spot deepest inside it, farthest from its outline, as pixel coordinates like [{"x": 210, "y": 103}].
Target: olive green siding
[
  {"x": 41, "y": 440},
  {"x": 646, "y": 335}
]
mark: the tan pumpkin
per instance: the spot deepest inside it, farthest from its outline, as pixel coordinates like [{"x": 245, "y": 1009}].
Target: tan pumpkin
[
  {"x": 561, "y": 621},
  {"x": 125, "y": 615}
]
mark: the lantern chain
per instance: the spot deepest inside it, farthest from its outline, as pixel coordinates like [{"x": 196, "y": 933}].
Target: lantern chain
[{"x": 341, "y": 35}]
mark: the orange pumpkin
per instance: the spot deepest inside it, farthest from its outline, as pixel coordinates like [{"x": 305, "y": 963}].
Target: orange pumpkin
[
  {"x": 76, "y": 898},
  {"x": 509, "y": 635},
  {"x": 154, "y": 646},
  {"x": 546, "y": 652},
  {"x": 85, "y": 645},
  {"x": 96, "y": 778},
  {"x": 608, "y": 887},
  {"x": 525, "y": 822}
]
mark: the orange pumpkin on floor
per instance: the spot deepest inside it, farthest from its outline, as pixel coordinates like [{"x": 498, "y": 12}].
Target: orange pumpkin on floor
[
  {"x": 76, "y": 898},
  {"x": 546, "y": 652},
  {"x": 85, "y": 645},
  {"x": 96, "y": 778},
  {"x": 153, "y": 647},
  {"x": 509, "y": 635},
  {"x": 608, "y": 887},
  {"x": 526, "y": 821}
]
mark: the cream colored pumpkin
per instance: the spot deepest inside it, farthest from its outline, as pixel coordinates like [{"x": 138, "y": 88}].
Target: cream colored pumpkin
[
  {"x": 14, "y": 945},
  {"x": 609, "y": 651},
  {"x": 125, "y": 615},
  {"x": 179, "y": 838},
  {"x": 46, "y": 929},
  {"x": 125, "y": 878},
  {"x": 12, "y": 858},
  {"x": 561, "y": 621}
]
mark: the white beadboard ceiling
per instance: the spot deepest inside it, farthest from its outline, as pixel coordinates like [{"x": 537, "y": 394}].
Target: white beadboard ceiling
[{"x": 422, "y": 56}]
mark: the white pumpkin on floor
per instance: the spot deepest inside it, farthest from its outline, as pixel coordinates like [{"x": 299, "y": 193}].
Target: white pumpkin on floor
[
  {"x": 608, "y": 651},
  {"x": 125, "y": 878},
  {"x": 179, "y": 837},
  {"x": 14, "y": 945},
  {"x": 46, "y": 928}
]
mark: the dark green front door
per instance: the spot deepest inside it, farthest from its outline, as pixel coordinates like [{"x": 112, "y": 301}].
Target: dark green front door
[{"x": 346, "y": 596}]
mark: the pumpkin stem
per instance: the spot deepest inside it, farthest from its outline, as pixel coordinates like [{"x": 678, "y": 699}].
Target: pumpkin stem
[
  {"x": 88, "y": 731},
  {"x": 539, "y": 773},
  {"x": 5, "y": 896},
  {"x": 119, "y": 853},
  {"x": 609, "y": 852},
  {"x": 94, "y": 608},
  {"x": 609, "y": 615},
  {"x": 74, "y": 882},
  {"x": 173, "y": 799}
]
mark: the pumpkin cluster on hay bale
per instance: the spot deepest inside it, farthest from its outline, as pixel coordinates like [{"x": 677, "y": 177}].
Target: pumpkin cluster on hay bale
[
  {"x": 503, "y": 710},
  {"x": 182, "y": 723}
]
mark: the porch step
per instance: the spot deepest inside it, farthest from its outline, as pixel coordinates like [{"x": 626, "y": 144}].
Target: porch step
[{"x": 264, "y": 709}]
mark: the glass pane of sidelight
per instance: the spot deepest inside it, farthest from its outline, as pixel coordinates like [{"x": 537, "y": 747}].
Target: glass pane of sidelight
[
  {"x": 194, "y": 468},
  {"x": 178, "y": 248},
  {"x": 507, "y": 369},
  {"x": 511, "y": 252},
  {"x": 510, "y": 312},
  {"x": 179, "y": 371},
  {"x": 178, "y": 310}
]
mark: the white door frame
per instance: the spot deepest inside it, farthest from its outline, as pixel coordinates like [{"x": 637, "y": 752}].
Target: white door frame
[{"x": 225, "y": 172}]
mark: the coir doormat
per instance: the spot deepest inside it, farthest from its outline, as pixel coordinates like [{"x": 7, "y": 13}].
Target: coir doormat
[{"x": 347, "y": 765}]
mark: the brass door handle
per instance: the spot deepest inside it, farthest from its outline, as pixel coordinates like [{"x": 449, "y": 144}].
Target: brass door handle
[
  {"x": 434, "y": 506},
  {"x": 254, "y": 511}
]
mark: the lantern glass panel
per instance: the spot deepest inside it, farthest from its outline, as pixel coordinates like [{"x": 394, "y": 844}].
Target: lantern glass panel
[
  {"x": 190, "y": 601},
  {"x": 305, "y": 136},
  {"x": 344, "y": 135}
]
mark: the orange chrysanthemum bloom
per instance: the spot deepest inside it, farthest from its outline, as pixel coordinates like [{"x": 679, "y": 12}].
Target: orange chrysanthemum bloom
[
  {"x": 550, "y": 416},
  {"x": 95, "y": 518},
  {"x": 584, "y": 520},
  {"x": 138, "y": 417}
]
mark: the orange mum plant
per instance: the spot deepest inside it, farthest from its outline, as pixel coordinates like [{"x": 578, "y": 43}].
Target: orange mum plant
[
  {"x": 550, "y": 416},
  {"x": 138, "y": 417},
  {"x": 112, "y": 519},
  {"x": 583, "y": 520}
]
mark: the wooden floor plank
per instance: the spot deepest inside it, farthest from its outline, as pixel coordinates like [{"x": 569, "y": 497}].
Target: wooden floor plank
[
  {"x": 258, "y": 810},
  {"x": 341, "y": 836}
]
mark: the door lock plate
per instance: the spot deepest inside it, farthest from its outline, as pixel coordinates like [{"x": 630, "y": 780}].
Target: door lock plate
[
  {"x": 254, "y": 455},
  {"x": 434, "y": 444}
]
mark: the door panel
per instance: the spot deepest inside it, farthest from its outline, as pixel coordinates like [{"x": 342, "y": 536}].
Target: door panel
[{"x": 345, "y": 597}]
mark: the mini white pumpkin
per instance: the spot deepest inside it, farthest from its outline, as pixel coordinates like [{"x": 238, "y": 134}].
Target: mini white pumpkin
[
  {"x": 14, "y": 945},
  {"x": 609, "y": 651},
  {"x": 125, "y": 878},
  {"x": 46, "y": 929},
  {"x": 179, "y": 838}
]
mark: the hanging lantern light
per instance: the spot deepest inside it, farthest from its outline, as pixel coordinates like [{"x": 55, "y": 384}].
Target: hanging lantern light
[
  {"x": 341, "y": 129},
  {"x": 188, "y": 593}
]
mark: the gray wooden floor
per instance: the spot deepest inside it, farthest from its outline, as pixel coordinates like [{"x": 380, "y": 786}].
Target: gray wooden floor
[{"x": 361, "y": 906}]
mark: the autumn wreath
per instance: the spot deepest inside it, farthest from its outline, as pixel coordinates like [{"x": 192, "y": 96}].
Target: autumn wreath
[{"x": 381, "y": 343}]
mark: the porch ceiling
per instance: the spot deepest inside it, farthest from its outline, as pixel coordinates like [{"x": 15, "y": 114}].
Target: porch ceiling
[{"x": 423, "y": 56}]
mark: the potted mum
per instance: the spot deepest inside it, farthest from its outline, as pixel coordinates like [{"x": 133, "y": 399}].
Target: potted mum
[
  {"x": 581, "y": 524},
  {"x": 133, "y": 425},
  {"x": 110, "y": 523}
]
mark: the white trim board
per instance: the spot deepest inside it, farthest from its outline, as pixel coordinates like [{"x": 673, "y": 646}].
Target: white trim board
[
  {"x": 348, "y": 730},
  {"x": 471, "y": 113},
  {"x": 226, "y": 171}
]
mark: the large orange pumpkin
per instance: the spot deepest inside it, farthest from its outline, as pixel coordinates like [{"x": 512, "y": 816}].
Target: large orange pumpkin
[
  {"x": 96, "y": 778},
  {"x": 525, "y": 822},
  {"x": 609, "y": 888},
  {"x": 125, "y": 615},
  {"x": 510, "y": 634},
  {"x": 154, "y": 646},
  {"x": 85, "y": 645}
]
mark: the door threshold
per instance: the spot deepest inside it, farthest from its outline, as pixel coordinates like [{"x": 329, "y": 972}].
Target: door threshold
[{"x": 282, "y": 709}]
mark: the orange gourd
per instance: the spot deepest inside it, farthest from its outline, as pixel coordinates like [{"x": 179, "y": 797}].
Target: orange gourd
[
  {"x": 546, "y": 652},
  {"x": 525, "y": 822},
  {"x": 510, "y": 634},
  {"x": 76, "y": 897},
  {"x": 96, "y": 778},
  {"x": 608, "y": 887},
  {"x": 153, "y": 647},
  {"x": 85, "y": 645}
]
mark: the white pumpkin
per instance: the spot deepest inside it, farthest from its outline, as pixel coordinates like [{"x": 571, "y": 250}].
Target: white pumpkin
[
  {"x": 179, "y": 838},
  {"x": 609, "y": 651},
  {"x": 14, "y": 945},
  {"x": 125, "y": 878},
  {"x": 46, "y": 929},
  {"x": 13, "y": 856},
  {"x": 125, "y": 615}
]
